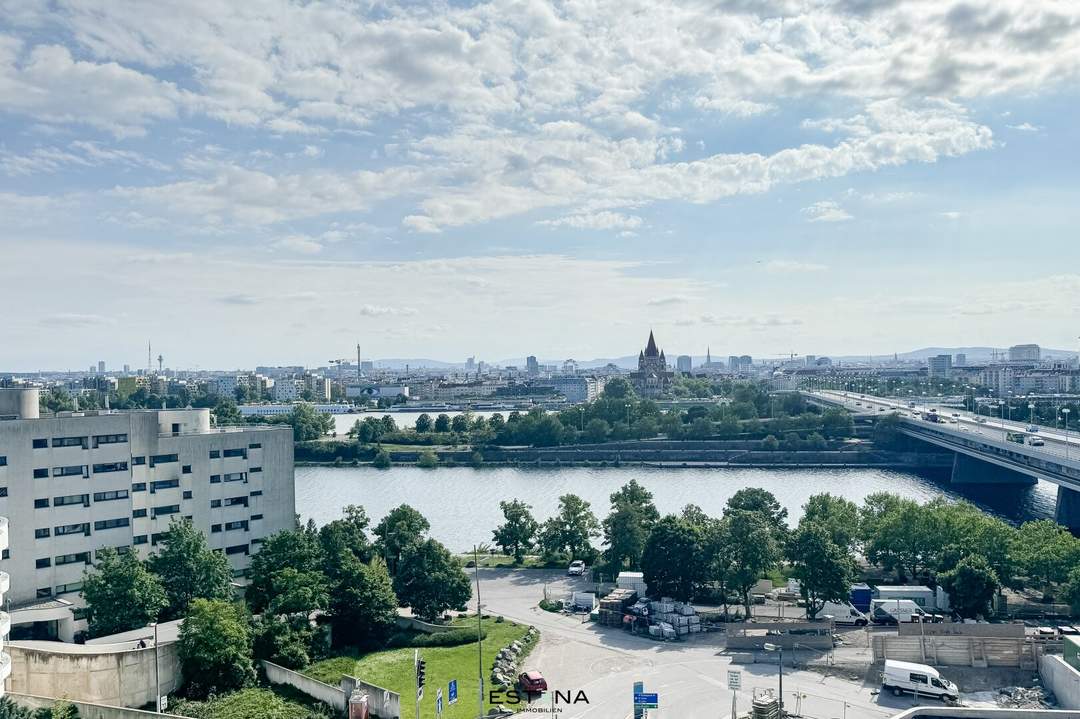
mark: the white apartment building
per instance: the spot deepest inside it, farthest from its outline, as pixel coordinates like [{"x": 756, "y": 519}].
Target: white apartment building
[
  {"x": 80, "y": 481},
  {"x": 5, "y": 619},
  {"x": 288, "y": 390}
]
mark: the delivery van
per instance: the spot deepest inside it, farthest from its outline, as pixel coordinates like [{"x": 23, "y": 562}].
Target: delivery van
[
  {"x": 843, "y": 613},
  {"x": 918, "y": 679},
  {"x": 894, "y": 611}
]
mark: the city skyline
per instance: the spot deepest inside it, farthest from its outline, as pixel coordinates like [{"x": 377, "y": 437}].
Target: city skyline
[{"x": 279, "y": 176}]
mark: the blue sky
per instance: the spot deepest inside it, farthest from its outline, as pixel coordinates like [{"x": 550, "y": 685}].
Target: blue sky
[{"x": 276, "y": 181}]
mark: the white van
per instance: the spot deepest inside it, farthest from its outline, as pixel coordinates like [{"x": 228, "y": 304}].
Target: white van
[
  {"x": 843, "y": 613},
  {"x": 918, "y": 679},
  {"x": 894, "y": 611}
]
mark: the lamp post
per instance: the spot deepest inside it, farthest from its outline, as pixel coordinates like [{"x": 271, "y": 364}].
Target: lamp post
[
  {"x": 1031, "y": 406},
  {"x": 1065, "y": 411},
  {"x": 157, "y": 671},
  {"x": 769, "y": 647},
  {"x": 479, "y": 631}
]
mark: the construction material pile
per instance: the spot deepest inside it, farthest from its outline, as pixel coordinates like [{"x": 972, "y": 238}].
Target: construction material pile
[
  {"x": 613, "y": 606},
  {"x": 1024, "y": 698},
  {"x": 634, "y": 581},
  {"x": 673, "y": 619}
]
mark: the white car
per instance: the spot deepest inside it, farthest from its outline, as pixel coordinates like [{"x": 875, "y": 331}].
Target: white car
[{"x": 576, "y": 569}]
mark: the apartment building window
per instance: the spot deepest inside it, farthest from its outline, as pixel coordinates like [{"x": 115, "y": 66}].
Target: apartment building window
[
  {"x": 100, "y": 439},
  {"x": 70, "y": 442},
  {"x": 138, "y": 461},
  {"x": 215, "y": 454},
  {"x": 81, "y": 528},
  {"x": 42, "y": 443},
  {"x": 3, "y": 492},
  {"x": 236, "y": 501},
  {"x": 122, "y": 549},
  {"x": 3, "y": 461},
  {"x": 75, "y": 558},
  {"x": 41, "y": 503},
  {"x": 235, "y": 477},
  {"x": 41, "y": 473},
  {"x": 138, "y": 486},
  {"x": 44, "y": 563},
  {"x": 111, "y": 495},
  {"x": 255, "y": 493},
  {"x": 255, "y": 516},
  {"x": 215, "y": 479},
  {"x": 215, "y": 528},
  {"x": 111, "y": 523},
  {"x": 110, "y": 467},
  {"x": 44, "y": 593},
  {"x": 187, "y": 494},
  {"x": 215, "y": 503},
  {"x": 157, "y": 537},
  {"x": 69, "y": 588},
  {"x": 41, "y": 533},
  {"x": 255, "y": 445},
  {"x": 139, "y": 539},
  {"x": 137, "y": 513},
  {"x": 240, "y": 524},
  {"x": 164, "y": 510},
  {"x": 69, "y": 499},
  {"x": 6, "y": 554},
  {"x": 255, "y": 469},
  {"x": 241, "y": 452},
  {"x": 75, "y": 470},
  {"x": 163, "y": 459},
  {"x": 237, "y": 549},
  {"x": 186, "y": 469},
  {"x": 164, "y": 484}
]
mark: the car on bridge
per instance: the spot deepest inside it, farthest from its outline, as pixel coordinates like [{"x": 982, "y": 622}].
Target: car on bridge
[
  {"x": 1033, "y": 428},
  {"x": 1036, "y": 441}
]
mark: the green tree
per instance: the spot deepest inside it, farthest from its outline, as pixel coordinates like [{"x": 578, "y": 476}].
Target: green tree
[
  {"x": 570, "y": 531},
  {"x": 296, "y": 549},
  {"x": 823, "y": 568},
  {"x": 430, "y": 581},
  {"x": 189, "y": 569},
  {"x": 754, "y": 549},
  {"x": 763, "y": 502},
  {"x": 226, "y": 412},
  {"x": 770, "y": 443},
  {"x": 971, "y": 586},
  {"x": 618, "y": 388},
  {"x": 382, "y": 460},
  {"x": 672, "y": 558},
  {"x": 423, "y": 423},
  {"x": 839, "y": 516},
  {"x": 215, "y": 648},
  {"x": 285, "y": 642},
  {"x": 308, "y": 424},
  {"x": 401, "y": 527},
  {"x": 442, "y": 423},
  {"x": 905, "y": 538},
  {"x": 1046, "y": 552},
  {"x": 1071, "y": 591},
  {"x": 363, "y": 606},
  {"x": 428, "y": 459},
  {"x": 518, "y": 534},
  {"x": 348, "y": 533},
  {"x": 627, "y": 528},
  {"x": 460, "y": 423},
  {"x": 121, "y": 594}
]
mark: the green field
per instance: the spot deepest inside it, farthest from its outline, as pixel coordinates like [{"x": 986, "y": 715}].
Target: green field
[
  {"x": 279, "y": 702},
  {"x": 393, "y": 669}
]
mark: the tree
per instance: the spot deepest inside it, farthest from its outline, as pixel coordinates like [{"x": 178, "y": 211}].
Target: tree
[
  {"x": 517, "y": 535},
  {"x": 349, "y": 533},
  {"x": 672, "y": 558},
  {"x": 905, "y": 538},
  {"x": 427, "y": 459},
  {"x": 570, "y": 531},
  {"x": 401, "y": 527},
  {"x": 627, "y": 528},
  {"x": 363, "y": 606},
  {"x": 1071, "y": 591},
  {"x": 382, "y": 460},
  {"x": 226, "y": 412},
  {"x": 430, "y": 581},
  {"x": 754, "y": 549},
  {"x": 285, "y": 642},
  {"x": 442, "y": 423},
  {"x": 1046, "y": 552},
  {"x": 215, "y": 648},
  {"x": 297, "y": 549},
  {"x": 596, "y": 430},
  {"x": 770, "y": 443},
  {"x": 763, "y": 502},
  {"x": 423, "y": 423},
  {"x": 189, "y": 569},
  {"x": 307, "y": 424},
  {"x": 823, "y": 568},
  {"x": 121, "y": 594},
  {"x": 618, "y": 388},
  {"x": 839, "y": 516},
  {"x": 460, "y": 423},
  {"x": 971, "y": 586}
]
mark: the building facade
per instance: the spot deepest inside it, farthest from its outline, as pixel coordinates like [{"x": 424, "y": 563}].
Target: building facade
[
  {"x": 575, "y": 389},
  {"x": 939, "y": 366},
  {"x": 684, "y": 364},
  {"x": 79, "y": 482},
  {"x": 652, "y": 378}
]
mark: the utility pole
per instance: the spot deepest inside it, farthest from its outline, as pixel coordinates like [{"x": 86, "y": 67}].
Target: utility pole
[{"x": 479, "y": 632}]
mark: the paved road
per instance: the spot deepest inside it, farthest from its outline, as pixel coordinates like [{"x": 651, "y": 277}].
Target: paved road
[{"x": 690, "y": 676}]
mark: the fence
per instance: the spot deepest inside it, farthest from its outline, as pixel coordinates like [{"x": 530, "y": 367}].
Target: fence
[{"x": 958, "y": 651}]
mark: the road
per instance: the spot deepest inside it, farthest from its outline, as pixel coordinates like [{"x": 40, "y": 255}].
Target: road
[
  {"x": 1057, "y": 443},
  {"x": 690, "y": 677}
]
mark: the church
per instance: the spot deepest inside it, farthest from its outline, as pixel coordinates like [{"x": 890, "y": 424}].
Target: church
[{"x": 652, "y": 378}]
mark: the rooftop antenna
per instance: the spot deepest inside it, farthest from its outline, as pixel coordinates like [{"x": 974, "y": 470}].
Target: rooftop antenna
[
  {"x": 149, "y": 361},
  {"x": 160, "y": 362},
  {"x": 358, "y": 362}
]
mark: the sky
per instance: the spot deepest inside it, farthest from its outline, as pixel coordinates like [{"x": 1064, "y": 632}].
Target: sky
[{"x": 273, "y": 182}]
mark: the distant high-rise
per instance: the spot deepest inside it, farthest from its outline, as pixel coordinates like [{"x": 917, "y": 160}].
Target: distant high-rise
[
  {"x": 531, "y": 365},
  {"x": 127, "y": 368},
  {"x": 101, "y": 366},
  {"x": 1024, "y": 353},
  {"x": 684, "y": 363},
  {"x": 939, "y": 366},
  {"x": 93, "y": 369},
  {"x": 960, "y": 360}
]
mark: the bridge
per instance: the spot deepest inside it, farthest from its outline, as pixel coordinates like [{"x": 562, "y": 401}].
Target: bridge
[{"x": 985, "y": 448}]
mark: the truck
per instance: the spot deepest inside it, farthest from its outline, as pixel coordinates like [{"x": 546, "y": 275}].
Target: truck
[
  {"x": 843, "y": 613},
  {"x": 1017, "y": 437},
  {"x": 894, "y": 611},
  {"x": 860, "y": 596},
  {"x": 917, "y": 679},
  {"x": 924, "y": 596}
]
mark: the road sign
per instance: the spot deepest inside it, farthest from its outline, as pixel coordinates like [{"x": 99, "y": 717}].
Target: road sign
[
  {"x": 163, "y": 703},
  {"x": 734, "y": 680},
  {"x": 438, "y": 701},
  {"x": 646, "y": 700},
  {"x": 453, "y": 691}
]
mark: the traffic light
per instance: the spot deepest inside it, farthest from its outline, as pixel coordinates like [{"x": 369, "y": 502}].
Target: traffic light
[{"x": 421, "y": 665}]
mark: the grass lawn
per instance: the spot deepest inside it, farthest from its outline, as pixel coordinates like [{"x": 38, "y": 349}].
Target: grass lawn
[
  {"x": 393, "y": 669},
  {"x": 280, "y": 702}
]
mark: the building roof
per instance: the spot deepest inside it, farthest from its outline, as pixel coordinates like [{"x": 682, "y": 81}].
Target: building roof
[{"x": 650, "y": 348}]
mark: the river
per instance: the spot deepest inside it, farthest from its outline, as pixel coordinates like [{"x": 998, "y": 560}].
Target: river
[{"x": 462, "y": 503}]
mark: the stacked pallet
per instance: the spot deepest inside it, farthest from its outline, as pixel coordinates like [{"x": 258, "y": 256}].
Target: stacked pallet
[
  {"x": 634, "y": 581},
  {"x": 682, "y": 618},
  {"x": 613, "y": 606}
]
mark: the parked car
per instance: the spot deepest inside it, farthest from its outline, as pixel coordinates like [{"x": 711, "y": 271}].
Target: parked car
[
  {"x": 919, "y": 679},
  {"x": 576, "y": 569},
  {"x": 532, "y": 682}
]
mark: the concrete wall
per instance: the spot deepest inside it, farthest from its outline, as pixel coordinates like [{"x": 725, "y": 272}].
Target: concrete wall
[
  {"x": 813, "y": 635},
  {"x": 99, "y": 675},
  {"x": 955, "y": 651},
  {"x": 414, "y": 623},
  {"x": 1061, "y": 679},
  {"x": 959, "y": 629},
  {"x": 90, "y": 711},
  {"x": 315, "y": 689},
  {"x": 383, "y": 703}
]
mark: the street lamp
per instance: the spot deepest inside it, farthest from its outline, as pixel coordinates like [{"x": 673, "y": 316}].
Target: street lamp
[
  {"x": 770, "y": 647},
  {"x": 1065, "y": 411},
  {"x": 1031, "y": 406},
  {"x": 157, "y": 671}
]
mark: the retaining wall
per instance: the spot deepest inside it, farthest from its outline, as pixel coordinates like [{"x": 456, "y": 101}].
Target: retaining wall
[
  {"x": 88, "y": 710},
  {"x": 382, "y": 702},
  {"x": 955, "y": 651},
  {"x": 315, "y": 689},
  {"x": 1061, "y": 679}
]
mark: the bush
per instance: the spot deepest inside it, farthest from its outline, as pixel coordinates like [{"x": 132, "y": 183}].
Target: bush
[
  {"x": 428, "y": 459},
  {"x": 382, "y": 460},
  {"x": 551, "y": 605},
  {"x": 452, "y": 638}
]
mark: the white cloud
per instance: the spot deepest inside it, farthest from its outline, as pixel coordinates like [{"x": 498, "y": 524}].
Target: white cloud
[
  {"x": 299, "y": 243},
  {"x": 603, "y": 220},
  {"x": 75, "y": 320},
  {"x": 670, "y": 300},
  {"x": 951, "y": 215},
  {"x": 1024, "y": 127},
  {"x": 794, "y": 266},
  {"x": 826, "y": 211}
]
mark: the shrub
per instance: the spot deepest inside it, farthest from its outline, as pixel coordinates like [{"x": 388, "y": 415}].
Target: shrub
[
  {"x": 428, "y": 459},
  {"x": 452, "y": 638},
  {"x": 551, "y": 605},
  {"x": 382, "y": 460}
]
